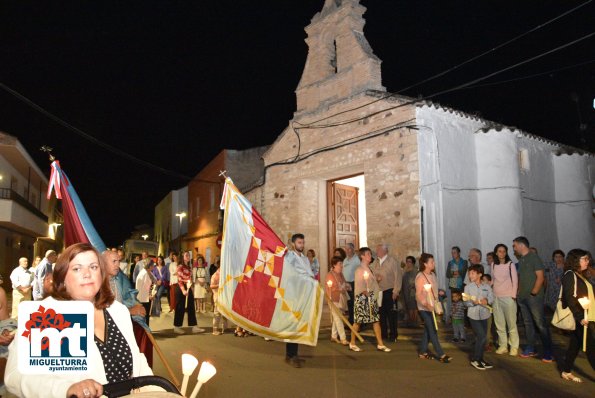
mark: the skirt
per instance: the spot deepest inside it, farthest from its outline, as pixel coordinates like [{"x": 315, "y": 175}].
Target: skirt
[
  {"x": 365, "y": 309},
  {"x": 199, "y": 291}
]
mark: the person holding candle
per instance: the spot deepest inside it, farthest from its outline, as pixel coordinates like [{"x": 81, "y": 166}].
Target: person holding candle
[
  {"x": 184, "y": 297},
  {"x": 576, "y": 280},
  {"x": 425, "y": 286},
  {"x": 480, "y": 296},
  {"x": 366, "y": 304},
  {"x": 337, "y": 291}
]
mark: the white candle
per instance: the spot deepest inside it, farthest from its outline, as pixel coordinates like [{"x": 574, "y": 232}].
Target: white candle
[
  {"x": 366, "y": 276},
  {"x": 585, "y": 303},
  {"x": 189, "y": 363}
]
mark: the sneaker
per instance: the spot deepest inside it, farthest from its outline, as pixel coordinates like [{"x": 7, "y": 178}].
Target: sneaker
[
  {"x": 502, "y": 350},
  {"x": 486, "y": 365},
  {"x": 455, "y": 340},
  {"x": 477, "y": 365},
  {"x": 196, "y": 329},
  {"x": 514, "y": 352},
  {"x": 178, "y": 330},
  {"x": 547, "y": 358},
  {"x": 528, "y": 353}
]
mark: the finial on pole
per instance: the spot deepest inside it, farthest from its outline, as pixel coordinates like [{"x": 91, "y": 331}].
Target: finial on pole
[
  {"x": 48, "y": 150},
  {"x": 222, "y": 173}
]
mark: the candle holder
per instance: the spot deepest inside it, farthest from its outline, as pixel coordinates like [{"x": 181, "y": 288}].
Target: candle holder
[{"x": 428, "y": 289}]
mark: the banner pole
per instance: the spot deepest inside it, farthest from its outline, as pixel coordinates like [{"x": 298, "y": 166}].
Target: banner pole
[{"x": 338, "y": 312}]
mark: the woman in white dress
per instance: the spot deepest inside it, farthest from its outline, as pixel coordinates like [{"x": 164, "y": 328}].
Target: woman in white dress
[{"x": 200, "y": 276}]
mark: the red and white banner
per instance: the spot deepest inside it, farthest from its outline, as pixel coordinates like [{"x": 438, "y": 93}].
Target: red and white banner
[{"x": 263, "y": 286}]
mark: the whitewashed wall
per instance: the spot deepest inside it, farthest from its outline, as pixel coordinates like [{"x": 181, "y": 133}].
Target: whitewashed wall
[
  {"x": 498, "y": 189},
  {"x": 574, "y": 184},
  {"x": 448, "y": 182},
  {"x": 475, "y": 194}
]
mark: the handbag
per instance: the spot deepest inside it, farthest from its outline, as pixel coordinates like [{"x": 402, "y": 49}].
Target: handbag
[
  {"x": 563, "y": 317},
  {"x": 438, "y": 309}
]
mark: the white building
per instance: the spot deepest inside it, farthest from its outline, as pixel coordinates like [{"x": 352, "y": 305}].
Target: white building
[
  {"x": 27, "y": 227},
  {"x": 169, "y": 228},
  {"x": 483, "y": 184}
]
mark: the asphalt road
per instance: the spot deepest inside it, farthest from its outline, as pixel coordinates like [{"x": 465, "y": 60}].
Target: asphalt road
[{"x": 253, "y": 367}]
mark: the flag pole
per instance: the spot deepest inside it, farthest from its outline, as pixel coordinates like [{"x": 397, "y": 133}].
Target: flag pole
[
  {"x": 163, "y": 359},
  {"x": 340, "y": 315}
]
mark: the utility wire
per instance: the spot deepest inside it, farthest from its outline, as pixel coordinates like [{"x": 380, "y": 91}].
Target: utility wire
[
  {"x": 452, "y": 68},
  {"x": 533, "y": 75},
  {"x": 459, "y": 87},
  {"x": 89, "y": 137},
  {"x": 495, "y": 48}
]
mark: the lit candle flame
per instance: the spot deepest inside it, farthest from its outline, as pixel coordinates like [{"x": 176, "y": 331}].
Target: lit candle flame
[
  {"x": 428, "y": 287},
  {"x": 329, "y": 284},
  {"x": 366, "y": 275}
]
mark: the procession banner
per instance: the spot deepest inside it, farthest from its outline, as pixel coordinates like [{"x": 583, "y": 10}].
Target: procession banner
[
  {"x": 263, "y": 288},
  {"x": 77, "y": 224}
]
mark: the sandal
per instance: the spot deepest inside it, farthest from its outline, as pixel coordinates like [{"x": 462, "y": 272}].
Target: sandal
[
  {"x": 571, "y": 377},
  {"x": 445, "y": 359},
  {"x": 383, "y": 348},
  {"x": 355, "y": 348},
  {"x": 426, "y": 356}
]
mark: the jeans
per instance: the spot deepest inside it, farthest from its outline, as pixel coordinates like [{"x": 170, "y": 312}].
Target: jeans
[
  {"x": 458, "y": 328},
  {"x": 157, "y": 300},
  {"x": 388, "y": 319},
  {"x": 505, "y": 310},
  {"x": 533, "y": 317},
  {"x": 480, "y": 328},
  {"x": 430, "y": 334}
]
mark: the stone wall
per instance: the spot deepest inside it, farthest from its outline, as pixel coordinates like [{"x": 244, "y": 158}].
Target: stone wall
[{"x": 294, "y": 195}]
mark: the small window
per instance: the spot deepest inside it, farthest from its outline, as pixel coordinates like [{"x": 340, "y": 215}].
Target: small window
[
  {"x": 212, "y": 194},
  {"x": 524, "y": 163}
]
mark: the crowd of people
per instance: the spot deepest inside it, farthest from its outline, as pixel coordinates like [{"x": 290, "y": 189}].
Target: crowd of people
[{"x": 369, "y": 288}]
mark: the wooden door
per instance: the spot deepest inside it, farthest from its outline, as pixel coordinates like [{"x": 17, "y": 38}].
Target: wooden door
[{"x": 343, "y": 216}]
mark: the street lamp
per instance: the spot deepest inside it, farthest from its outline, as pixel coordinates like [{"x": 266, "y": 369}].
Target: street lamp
[
  {"x": 181, "y": 215},
  {"x": 144, "y": 236}
]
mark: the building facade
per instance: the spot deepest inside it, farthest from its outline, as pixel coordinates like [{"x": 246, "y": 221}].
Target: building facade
[
  {"x": 205, "y": 219},
  {"x": 433, "y": 177},
  {"x": 170, "y": 222},
  {"x": 30, "y": 224}
]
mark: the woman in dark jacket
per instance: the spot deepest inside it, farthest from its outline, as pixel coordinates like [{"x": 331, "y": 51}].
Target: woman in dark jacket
[{"x": 577, "y": 269}]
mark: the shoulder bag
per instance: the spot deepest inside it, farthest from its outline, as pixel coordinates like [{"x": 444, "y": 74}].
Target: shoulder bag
[{"x": 563, "y": 317}]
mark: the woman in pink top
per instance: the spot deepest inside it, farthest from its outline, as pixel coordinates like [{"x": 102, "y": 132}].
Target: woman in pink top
[
  {"x": 337, "y": 291},
  {"x": 426, "y": 300},
  {"x": 366, "y": 306},
  {"x": 505, "y": 284}
]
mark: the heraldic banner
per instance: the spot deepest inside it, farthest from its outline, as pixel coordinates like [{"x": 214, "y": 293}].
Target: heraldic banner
[{"x": 262, "y": 288}]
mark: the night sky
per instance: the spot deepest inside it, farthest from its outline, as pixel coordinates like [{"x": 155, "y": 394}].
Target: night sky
[{"x": 174, "y": 83}]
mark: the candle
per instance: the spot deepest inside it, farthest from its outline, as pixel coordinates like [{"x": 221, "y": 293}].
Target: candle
[
  {"x": 585, "y": 303},
  {"x": 189, "y": 363},
  {"x": 366, "y": 276},
  {"x": 204, "y": 374}
]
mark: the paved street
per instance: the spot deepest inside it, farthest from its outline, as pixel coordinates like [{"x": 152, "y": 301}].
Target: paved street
[{"x": 252, "y": 367}]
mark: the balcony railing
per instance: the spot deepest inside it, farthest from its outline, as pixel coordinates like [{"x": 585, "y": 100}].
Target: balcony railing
[{"x": 6, "y": 193}]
